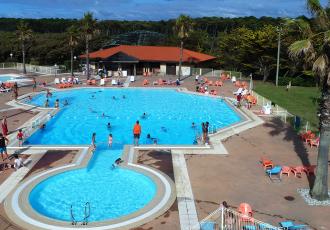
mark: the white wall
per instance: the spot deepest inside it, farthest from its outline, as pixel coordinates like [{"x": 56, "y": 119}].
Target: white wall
[
  {"x": 163, "y": 68},
  {"x": 185, "y": 70}
]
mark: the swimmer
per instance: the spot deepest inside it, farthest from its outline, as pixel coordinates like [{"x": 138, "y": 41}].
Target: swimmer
[
  {"x": 42, "y": 127},
  {"x": 46, "y": 103},
  {"x": 117, "y": 162},
  {"x": 109, "y": 125},
  {"x": 144, "y": 116},
  {"x": 57, "y": 103},
  {"x": 124, "y": 97},
  {"x": 164, "y": 129},
  {"x": 151, "y": 140},
  {"x": 110, "y": 140},
  {"x": 113, "y": 97},
  {"x": 48, "y": 94},
  {"x": 94, "y": 141},
  {"x": 30, "y": 98},
  {"x": 65, "y": 102},
  {"x": 193, "y": 125}
]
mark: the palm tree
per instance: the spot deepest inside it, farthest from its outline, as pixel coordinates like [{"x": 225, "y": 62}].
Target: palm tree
[
  {"x": 73, "y": 36},
  {"x": 183, "y": 27},
  {"x": 24, "y": 33},
  {"x": 88, "y": 29},
  {"x": 313, "y": 48}
]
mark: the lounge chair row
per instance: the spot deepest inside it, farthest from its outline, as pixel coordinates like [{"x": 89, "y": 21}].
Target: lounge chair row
[
  {"x": 64, "y": 85},
  {"x": 276, "y": 170}
]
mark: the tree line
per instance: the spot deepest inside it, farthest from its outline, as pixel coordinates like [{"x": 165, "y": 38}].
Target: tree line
[{"x": 245, "y": 44}]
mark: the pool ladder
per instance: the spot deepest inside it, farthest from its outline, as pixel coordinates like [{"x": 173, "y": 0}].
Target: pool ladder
[{"x": 87, "y": 213}]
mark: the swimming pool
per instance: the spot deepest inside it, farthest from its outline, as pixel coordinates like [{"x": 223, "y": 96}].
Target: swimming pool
[
  {"x": 118, "y": 192},
  {"x": 21, "y": 80},
  {"x": 7, "y": 77}
]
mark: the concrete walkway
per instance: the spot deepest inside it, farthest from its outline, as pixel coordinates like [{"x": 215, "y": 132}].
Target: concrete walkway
[
  {"x": 12, "y": 181},
  {"x": 186, "y": 202}
]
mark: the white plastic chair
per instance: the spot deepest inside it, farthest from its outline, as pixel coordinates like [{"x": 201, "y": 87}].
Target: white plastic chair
[
  {"x": 57, "y": 81},
  {"x": 63, "y": 80},
  {"x": 132, "y": 79},
  {"x": 114, "y": 82},
  {"x": 102, "y": 82}
]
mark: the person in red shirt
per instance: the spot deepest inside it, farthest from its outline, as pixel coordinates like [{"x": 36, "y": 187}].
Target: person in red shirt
[
  {"x": 136, "y": 133},
  {"x": 20, "y": 136},
  {"x": 239, "y": 98}
]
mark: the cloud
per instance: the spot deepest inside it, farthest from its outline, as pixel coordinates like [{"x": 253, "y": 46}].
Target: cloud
[{"x": 151, "y": 9}]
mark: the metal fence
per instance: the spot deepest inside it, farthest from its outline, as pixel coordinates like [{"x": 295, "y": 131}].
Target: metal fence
[
  {"x": 297, "y": 122},
  {"x": 33, "y": 68},
  {"x": 228, "y": 219},
  {"x": 209, "y": 72}
]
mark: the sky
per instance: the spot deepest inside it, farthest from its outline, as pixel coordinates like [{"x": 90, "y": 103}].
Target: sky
[{"x": 151, "y": 9}]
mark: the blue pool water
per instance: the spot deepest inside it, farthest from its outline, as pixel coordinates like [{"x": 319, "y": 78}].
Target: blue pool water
[{"x": 118, "y": 192}]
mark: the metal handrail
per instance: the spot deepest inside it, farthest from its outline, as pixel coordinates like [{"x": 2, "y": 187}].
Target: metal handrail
[
  {"x": 73, "y": 220},
  {"x": 87, "y": 215}
]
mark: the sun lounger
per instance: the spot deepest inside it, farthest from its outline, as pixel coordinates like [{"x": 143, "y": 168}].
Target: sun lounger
[
  {"x": 238, "y": 91},
  {"x": 286, "y": 170},
  {"x": 292, "y": 226},
  {"x": 274, "y": 172},
  {"x": 310, "y": 169},
  {"x": 208, "y": 225},
  {"x": 314, "y": 142},
  {"x": 266, "y": 163},
  {"x": 298, "y": 170},
  {"x": 145, "y": 82},
  {"x": 245, "y": 92}
]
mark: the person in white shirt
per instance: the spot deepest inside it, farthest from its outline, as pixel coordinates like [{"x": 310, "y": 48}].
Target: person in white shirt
[{"x": 18, "y": 163}]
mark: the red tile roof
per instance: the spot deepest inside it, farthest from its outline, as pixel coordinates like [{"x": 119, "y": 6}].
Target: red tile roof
[{"x": 152, "y": 53}]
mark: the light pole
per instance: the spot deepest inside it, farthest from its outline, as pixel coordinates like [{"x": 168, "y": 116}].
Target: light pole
[
  {"x": 11, "y": 56},
  {"x": 279, "y": 30}
]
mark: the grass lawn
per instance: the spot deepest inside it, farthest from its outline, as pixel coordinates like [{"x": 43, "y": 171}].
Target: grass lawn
[{"x": 300, "y": 101}]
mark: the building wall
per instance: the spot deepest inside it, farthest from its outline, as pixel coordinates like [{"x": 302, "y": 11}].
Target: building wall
[
  {"x": 185, "y": 70},
  {"x": 163, "y": 68}
]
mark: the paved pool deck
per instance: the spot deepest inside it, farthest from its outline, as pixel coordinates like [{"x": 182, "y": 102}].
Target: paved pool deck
[{"x": 237, "y": 176}]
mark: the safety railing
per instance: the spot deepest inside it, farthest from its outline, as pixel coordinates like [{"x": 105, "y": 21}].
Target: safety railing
[
  {"x": 228, "y": 219},
  {"x": 33, "y": 68}
]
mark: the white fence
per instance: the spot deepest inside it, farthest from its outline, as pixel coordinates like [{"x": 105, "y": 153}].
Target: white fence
[
  {"x": 279, "y": 111},
  {"x": 32, "y": 68},
  {"x": 228, "y": 219}
]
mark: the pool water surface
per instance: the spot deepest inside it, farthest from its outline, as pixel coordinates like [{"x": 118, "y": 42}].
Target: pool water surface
[{"x": 113, "y": 193}]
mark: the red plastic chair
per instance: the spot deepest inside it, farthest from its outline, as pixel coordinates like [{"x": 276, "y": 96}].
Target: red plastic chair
[
  {"x": 286, "y": 170},
  {"x": 298, "y": 170},
  {"x": 310, "y": 169},
  {"x": 266, "y": 163}
]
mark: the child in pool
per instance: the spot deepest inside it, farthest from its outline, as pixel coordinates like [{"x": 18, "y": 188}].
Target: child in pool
[{"x": 110, "y": 140}]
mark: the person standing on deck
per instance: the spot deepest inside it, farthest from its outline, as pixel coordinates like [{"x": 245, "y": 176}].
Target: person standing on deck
[
  {"x": 3, "y": 146},
  {"x": 4, "y": 126},
  {"x": 136, "y": 133}
]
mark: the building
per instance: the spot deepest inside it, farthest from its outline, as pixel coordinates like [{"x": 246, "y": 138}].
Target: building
[{"x": 142, "y": 60}]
